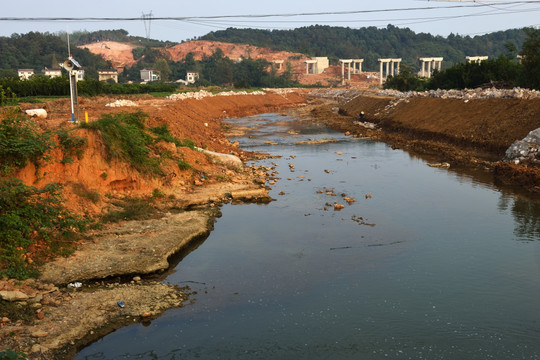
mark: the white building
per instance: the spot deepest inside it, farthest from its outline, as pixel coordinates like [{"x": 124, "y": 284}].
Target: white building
[
  {"x": 105, "y": 75},
  {"x": 24, "y": 74},
  {"x": 52, "y": 73},
  {"x": 149, "y": 75},
  {"x": 191, "y": 77}
]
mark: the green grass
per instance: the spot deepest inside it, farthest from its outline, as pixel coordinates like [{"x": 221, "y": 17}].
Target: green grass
[
  {"x": 126, "y": 138},
  {"x": 162, "y": 132},
  {"x": 161, "y": 93},
  {"x": 40, "y": 99},
  {"x": 71, "y": 145}
]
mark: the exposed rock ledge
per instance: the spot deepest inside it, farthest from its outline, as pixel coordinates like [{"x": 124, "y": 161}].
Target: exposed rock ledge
[{"x": 126, "y": 249}]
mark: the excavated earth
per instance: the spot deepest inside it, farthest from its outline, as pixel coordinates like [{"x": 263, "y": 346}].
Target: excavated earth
[{"x": 76, "y": 301}]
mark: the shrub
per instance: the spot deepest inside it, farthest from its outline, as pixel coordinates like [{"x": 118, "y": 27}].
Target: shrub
[
  {"x": 163, "y": 133},
  {"x": 28, "y": 216},
  {"x": 72, "y": 145},
  {"x": 126, "y": 139},
  {"x": 90, "y": 194},
  {"x": 406, "y": 81},
  {"x": 20, "y": 143},
  {"x": 12, "y": 355},
  {"x": 183, "y": 164}
]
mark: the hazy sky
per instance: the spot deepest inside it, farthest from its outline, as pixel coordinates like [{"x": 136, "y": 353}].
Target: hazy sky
[{"x": 435, "y": 17}]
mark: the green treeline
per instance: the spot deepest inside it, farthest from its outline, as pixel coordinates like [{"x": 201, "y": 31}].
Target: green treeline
[
  {"x": 44, "y": 86},
  {"x": 371, "y": 43},
  {"x": 37, "y": 51},
  {"x": 503, "y": 71}
]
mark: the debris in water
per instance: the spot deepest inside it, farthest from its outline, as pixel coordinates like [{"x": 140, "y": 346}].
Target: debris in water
[
  {"x": 338, "y": 206},
  {"x": 439, "y": 165},
  {"x": 361, "y": 221}
]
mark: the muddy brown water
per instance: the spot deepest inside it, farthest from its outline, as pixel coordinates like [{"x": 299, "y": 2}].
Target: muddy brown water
[{"x": 426, "y": 263}]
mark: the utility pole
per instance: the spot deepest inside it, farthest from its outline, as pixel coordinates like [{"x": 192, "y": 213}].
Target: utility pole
[{"x": 147, "y": 20}]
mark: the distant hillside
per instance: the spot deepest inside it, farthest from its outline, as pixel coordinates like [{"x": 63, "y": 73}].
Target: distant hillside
[
  {"x": 36, "y": 51},
  {"x": 372, "y": 43},
  {"x": 85, "y": 37}
]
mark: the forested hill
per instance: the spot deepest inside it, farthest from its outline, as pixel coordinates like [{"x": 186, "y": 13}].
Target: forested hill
[
  {"x": 36, "y": 51},
  {"x": 372, "y": 43}
]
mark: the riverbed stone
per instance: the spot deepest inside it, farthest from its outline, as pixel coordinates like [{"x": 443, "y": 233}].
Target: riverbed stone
[
  {"x": 526, "y": 149},
  {"x": 13, "y": 295}
]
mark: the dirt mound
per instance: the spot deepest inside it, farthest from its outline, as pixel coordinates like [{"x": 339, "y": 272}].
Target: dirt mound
[
  {"x": 119, "y": 54},
  {"x": 489, "y": 124}
]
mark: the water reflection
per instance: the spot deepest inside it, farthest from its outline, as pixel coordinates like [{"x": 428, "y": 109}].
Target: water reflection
[{"x": 526, "y": 216}]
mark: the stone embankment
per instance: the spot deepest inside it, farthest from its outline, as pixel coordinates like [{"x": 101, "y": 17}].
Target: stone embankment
[{"x": 466, "y": 94}]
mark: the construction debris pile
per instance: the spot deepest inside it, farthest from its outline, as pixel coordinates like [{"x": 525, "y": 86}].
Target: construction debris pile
[
  {"x": 466, "y": 94},
  {"x": 203, "y": 93},
  {"x": 337, "y": 95},
  {"x": 526, "y": 149},
  {"x": 120, "y": 103}
]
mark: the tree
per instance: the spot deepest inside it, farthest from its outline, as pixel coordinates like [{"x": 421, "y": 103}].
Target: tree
[
  {"x": 54, "y": 62},
  {"x": 531, "y": 58},
  {"x": 162, "y": 67}
]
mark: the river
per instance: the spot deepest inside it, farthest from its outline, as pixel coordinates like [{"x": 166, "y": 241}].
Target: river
[{"x": 426, "y": 263}]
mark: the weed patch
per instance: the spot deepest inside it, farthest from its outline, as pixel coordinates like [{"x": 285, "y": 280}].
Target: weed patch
[
  {"x": 21, "y": 143},
  {"x": 131, "y": 209},
  {"x": 30, "y": 216},
  {"x": 126, "y": 139},
  {"x": 71, "y": 145},
  {"x": 163, "y": 133},
  {"x": 90, "y": 194}
]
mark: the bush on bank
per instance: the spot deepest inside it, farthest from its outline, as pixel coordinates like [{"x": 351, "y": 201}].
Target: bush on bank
[{"x": 30, "y": 218}]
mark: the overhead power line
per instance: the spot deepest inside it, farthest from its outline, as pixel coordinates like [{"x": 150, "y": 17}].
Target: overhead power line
[{"x": 255, "y": 16}]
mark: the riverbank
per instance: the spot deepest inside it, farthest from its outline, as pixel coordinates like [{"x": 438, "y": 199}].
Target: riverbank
[
  {"x": 465, "y": 132},
  {"x": 112, "y": 280}
]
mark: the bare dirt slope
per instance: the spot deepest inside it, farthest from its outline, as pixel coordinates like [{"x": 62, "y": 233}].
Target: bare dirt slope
[
  {"x": 201, "y": 48},
  {"x": 119, "y": 54},
  {"x": 488, "y": 124}
]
